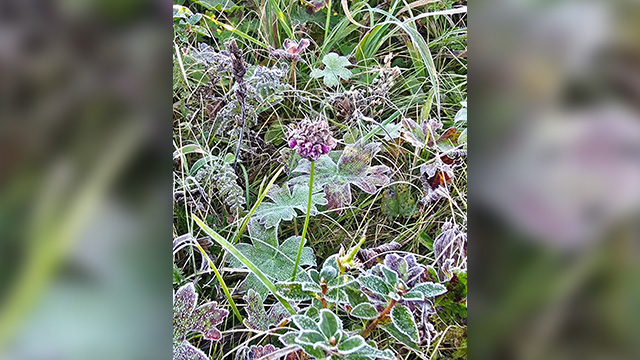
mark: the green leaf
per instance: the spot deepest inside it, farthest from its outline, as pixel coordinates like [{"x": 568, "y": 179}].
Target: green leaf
[
  {"x": 370, "y": 352},
  {"x": 220, "y": 5},
  {"x": 334, "y": 69},
  {"x": 293, "y": 291},
  {"x": 351, "y": 345},
  {"x": 390, "y": 275},
  {"x": 403, "y": 320},
  {"x": 397, "y": 200},
  {"x": 316, "y": 73},
  {"x": 284, "y": 203},
  {"x": 430, "y": 289},
  {"x": 305, "y": 323},
  {"x": 399, "y": 336},
  {"x": 311, "y": 350},
  {"x": 329, "y": 324},
  {"x": 181, "y": 12},
  {"x": 375, "y": 284},
  {"x": 307, "y": 337},
  {"x": 365, "y": 311},
  {"x": 272, "y": 258}
]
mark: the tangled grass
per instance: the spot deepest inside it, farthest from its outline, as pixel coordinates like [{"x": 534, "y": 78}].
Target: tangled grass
[{"x": 389, "y": 80}]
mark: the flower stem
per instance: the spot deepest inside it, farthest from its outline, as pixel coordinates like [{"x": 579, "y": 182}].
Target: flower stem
[
  {"x": 375, "y": 322},
  {"x": 306, "y": 221}
]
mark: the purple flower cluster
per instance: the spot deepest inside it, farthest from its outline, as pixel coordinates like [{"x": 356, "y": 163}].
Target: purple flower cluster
[{"x": 311, "y": 139}]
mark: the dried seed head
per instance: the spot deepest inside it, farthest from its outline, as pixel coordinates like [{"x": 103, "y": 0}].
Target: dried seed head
[{"x": 311, "y": 139}]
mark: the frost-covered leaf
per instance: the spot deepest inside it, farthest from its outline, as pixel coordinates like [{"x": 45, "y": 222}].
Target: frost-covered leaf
[
  {"x": 307, "y": 337},
  {"x": 399, "y": 336},
  {"x": 406, "y": 267},
  {"x": 293, "y": 291},
  {"x": 461, "y": 115},
  {"x": 185, "y": 351},
  {"x": 397, "y": 200},
  {"x": 365, "y": 311},
  {"x": 403, "y": 320},
  {"x": 390, "y": 275},
  {"x": 254, "y": 352},
  {"x": 258, "y": 318},
  {"x": 375, "y": 284},
  {"x": 284, "y": 202},
  {"x": 305, "y": 323},
  {"x": 429, "y": 289},
  {"x": 389, "y": 131},
  {"x": 371, "y": 353},
  {"x": 327, "y": 337},
  {"x": 329, "y": 324},
  {"x": 180, "y": 11},
  {"x": 274, "y": 259},
  {"x": 187, "y": 318},
  {"x": 351, "y": 345},
  {"x": 334, "y": 69},
  {"x": 352, "y": 168},
  {"x": 220, "y": 5}
]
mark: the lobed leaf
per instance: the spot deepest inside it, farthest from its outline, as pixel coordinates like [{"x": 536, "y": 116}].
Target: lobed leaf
[
  {"x": 258, "y": 318},
  {"x": 273, "y": 259},
  {"x": 352, "y": 168},
  {"x": 187, "y": 318},
  {"x": 284, "y": 202}
]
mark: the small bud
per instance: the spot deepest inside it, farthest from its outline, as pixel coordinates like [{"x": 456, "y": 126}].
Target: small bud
[{"x": 333, "y": 341}]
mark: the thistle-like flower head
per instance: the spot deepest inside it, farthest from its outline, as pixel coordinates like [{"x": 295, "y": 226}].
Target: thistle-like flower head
[{"x": 311, "y": 139}]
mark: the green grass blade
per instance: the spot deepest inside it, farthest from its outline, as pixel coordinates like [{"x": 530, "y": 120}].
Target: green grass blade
[
  {"x": 225, "y": 289},
  {"x": 238, "y": 255}
]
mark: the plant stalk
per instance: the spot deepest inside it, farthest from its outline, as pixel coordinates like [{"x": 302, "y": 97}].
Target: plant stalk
[
  {"x": 375, "y": 322},
  {"x": 306, "y": 221},
  {"x": 327, "y": 21}
]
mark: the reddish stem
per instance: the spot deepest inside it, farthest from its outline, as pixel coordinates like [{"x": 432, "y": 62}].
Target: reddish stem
[
  {"x": 324, "y": 292},
  {"x": 375, "y": 322}
]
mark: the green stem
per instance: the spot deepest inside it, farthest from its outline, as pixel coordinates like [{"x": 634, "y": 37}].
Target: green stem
[
  {"x": 326, "y": 24},
  {"x": 306, "y": 221}
]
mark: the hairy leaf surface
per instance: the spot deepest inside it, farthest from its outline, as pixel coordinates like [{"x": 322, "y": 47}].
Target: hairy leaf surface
[
  {"x": 284, "y": 202},
  {"x": 274, "y": 259},
  {"x": 352, "y": 168}
]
